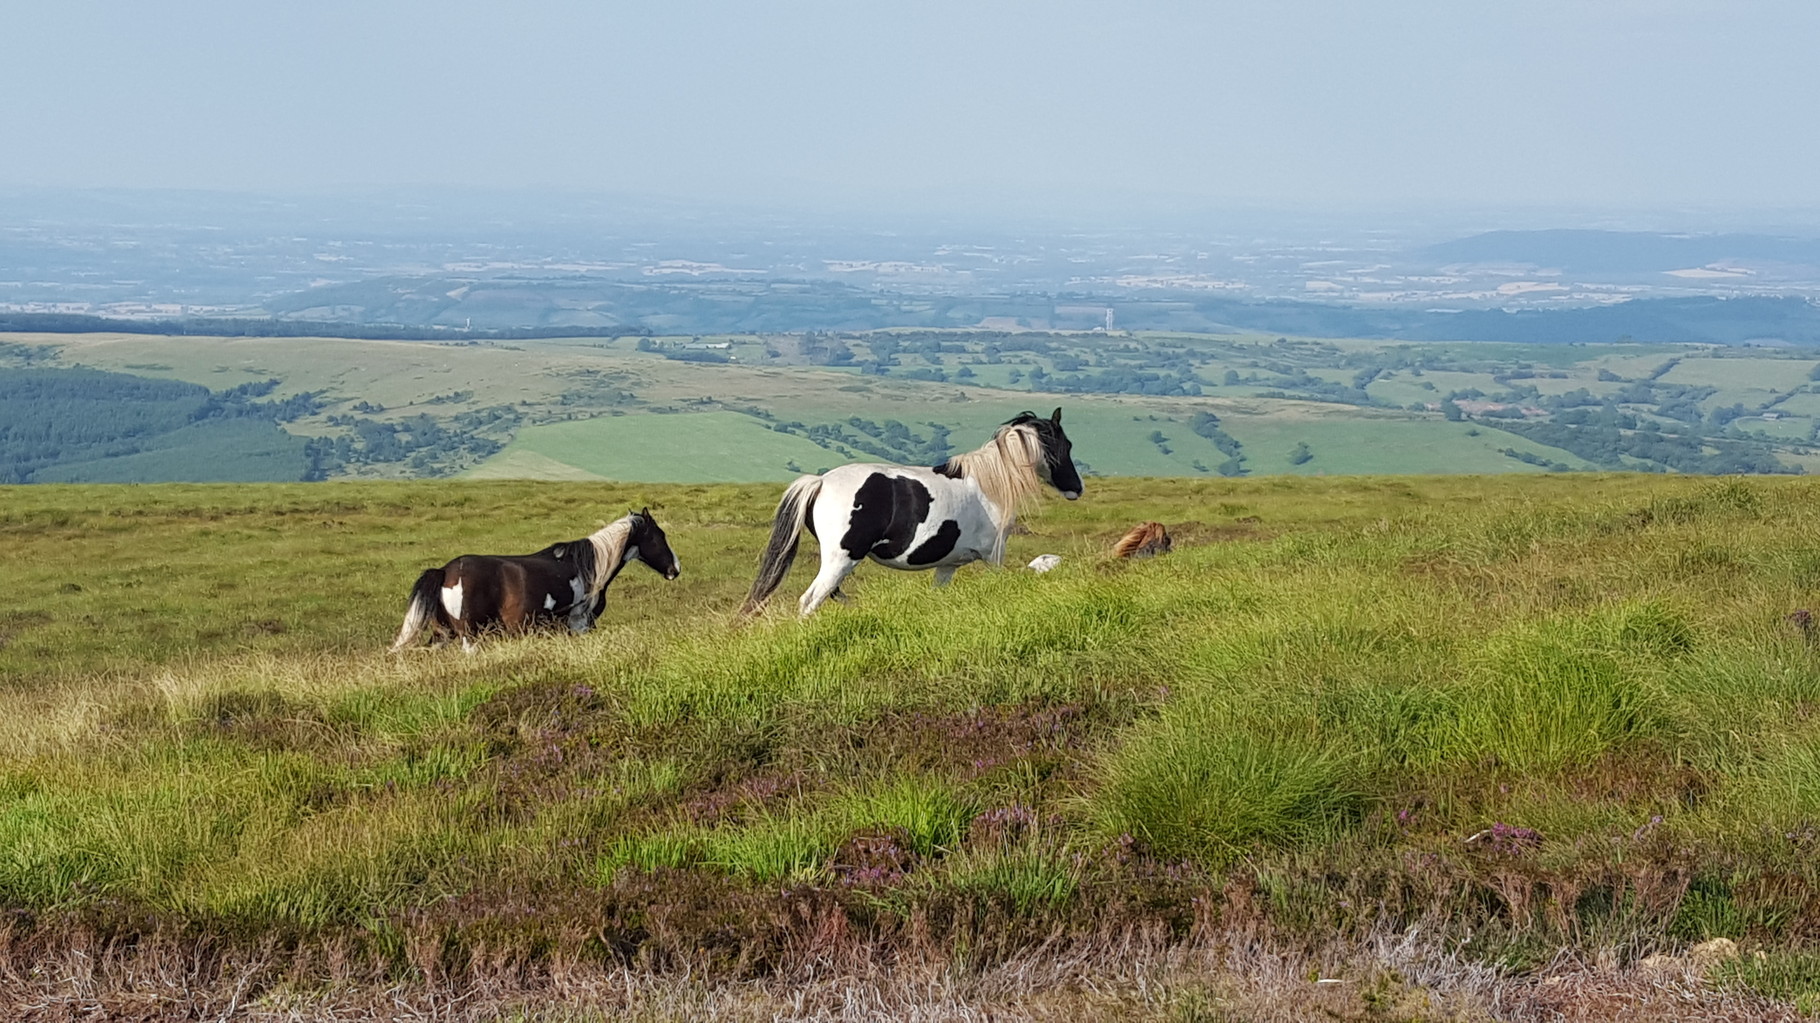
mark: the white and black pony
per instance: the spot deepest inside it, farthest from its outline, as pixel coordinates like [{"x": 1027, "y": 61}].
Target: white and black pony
[
  {"x": 911, "y": 518},
  {"x": 479, "y": 593}
]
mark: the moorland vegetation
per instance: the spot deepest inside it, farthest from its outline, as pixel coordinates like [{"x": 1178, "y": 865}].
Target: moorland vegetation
[{"x": 1462, "y": 747}]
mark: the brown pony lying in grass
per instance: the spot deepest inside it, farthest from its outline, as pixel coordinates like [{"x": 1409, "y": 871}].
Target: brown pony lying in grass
[{"x": 1145, "y": 540}]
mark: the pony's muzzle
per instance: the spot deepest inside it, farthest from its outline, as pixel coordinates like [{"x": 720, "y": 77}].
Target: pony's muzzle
[
  {"x": 1072, "y": 495},
  {"x": 673, "y": 573}
]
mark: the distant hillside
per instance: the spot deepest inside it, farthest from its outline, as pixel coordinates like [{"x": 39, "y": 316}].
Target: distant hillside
[
  {"x": 1622, "y": 252},
  {"x": 90, "y": 426},
  {"x": 769, "y": 406},
  {"x": 269, "y": 326},
  {"x": 1695, "y": 320},
  {"x": 526, "y": 308}
]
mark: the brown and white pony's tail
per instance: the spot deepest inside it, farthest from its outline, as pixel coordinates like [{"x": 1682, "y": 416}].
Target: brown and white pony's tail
[
  {"x": 786, "y": 533},
  {"x": 421, "y": 612}
]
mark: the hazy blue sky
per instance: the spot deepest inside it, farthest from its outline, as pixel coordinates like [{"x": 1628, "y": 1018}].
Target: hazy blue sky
[{"x": 1584, "y": 101}]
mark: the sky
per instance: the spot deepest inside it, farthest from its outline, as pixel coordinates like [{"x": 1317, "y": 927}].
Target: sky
[{"x": 1288, "y": 102}]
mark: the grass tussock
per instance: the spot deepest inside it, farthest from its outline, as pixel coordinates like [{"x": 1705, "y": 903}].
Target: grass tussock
[{"x": 1535, "y": 720}]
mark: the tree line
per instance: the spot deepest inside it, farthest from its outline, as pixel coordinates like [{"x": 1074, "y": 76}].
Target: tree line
[{"x": 55, "y": 416}]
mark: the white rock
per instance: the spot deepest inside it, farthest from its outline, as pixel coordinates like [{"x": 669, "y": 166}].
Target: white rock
[{"x": 1045, "y": 562}]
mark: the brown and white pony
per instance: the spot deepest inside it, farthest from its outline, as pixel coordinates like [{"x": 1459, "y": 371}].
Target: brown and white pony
[
  {"x": 1145, "y": 540},
  {"x": 479, "y": 593}
]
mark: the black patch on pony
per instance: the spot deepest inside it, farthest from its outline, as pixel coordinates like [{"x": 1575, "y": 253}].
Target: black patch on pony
[
  {"x": 938, "y": 546},
  {"x": 886, "y": 513},
  {"x": 582, "y": 551}
]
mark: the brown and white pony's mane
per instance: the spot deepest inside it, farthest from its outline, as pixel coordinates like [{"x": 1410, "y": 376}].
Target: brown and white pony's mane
[
  {"x": 1004, "y": 468},
  {"x": 609, "y": 543},
  {"x": 1143, "y": 540}
]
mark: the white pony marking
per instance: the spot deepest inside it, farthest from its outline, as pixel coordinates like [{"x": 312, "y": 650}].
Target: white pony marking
[{"x": 451, "y": 600}]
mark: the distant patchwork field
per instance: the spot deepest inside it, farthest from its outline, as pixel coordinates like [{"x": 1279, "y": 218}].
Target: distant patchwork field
[{"x": 767, "y": 407}]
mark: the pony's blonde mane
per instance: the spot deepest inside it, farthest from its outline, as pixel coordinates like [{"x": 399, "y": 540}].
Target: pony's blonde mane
[
  {"x": 1005, "y": 470},
  {"x": 609, "y": 547},
  {"x": 1141, "y": 536}
]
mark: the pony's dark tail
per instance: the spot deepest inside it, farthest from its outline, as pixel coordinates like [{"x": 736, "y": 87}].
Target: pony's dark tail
[
  {"x": 786, "y": 533},
  {"x": 421, "y": 611}
]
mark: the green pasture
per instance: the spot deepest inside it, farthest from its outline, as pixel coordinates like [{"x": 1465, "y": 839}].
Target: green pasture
[
  {"x": 1403, "y": 389},
  {"x": 1750, "y": 398},
  {"x": 1769, "y": 376},
  {"x": 1574, "y": 381},
  {"x": 1803, "y": 403},
  {"x": 1552, "y": 356},
  {"x": 1786, "y": 428},
  {"x": 1446, "y": 381},
  {"x": 699, "y": 446},
  {"x": 1348, "y": 446}
]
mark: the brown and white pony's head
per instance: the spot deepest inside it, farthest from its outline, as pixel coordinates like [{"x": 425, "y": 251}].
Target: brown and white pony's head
[
  {"x": 646, "y": 542},
  {"x": 636, "y": 537},
  {"x": 1145, "y": 540}
]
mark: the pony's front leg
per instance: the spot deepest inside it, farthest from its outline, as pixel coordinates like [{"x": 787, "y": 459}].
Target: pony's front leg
[
  {"x": 834, "y": 571},
  {"x": 944, "y": 575},
  {"x": 581, "y": 618}
]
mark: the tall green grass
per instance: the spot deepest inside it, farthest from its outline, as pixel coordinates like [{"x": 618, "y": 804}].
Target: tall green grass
[{"x": 1333, "y": 682}]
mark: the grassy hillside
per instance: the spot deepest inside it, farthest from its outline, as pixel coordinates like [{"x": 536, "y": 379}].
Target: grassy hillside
[{"x": 1468, "y": 748}]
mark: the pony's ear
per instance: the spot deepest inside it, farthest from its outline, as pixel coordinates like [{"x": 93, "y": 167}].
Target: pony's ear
[
  {"x": 1057, "y": 418},
  {"x": 645, "y": 513}
]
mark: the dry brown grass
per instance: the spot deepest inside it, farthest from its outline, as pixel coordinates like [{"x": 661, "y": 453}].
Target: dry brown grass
[{"x": 1137, "y": 974}]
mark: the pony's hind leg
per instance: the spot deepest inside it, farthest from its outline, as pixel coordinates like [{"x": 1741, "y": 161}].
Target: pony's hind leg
[
  {"x": 944, "y": 574},
  {"x": 834, "y": 571}
]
